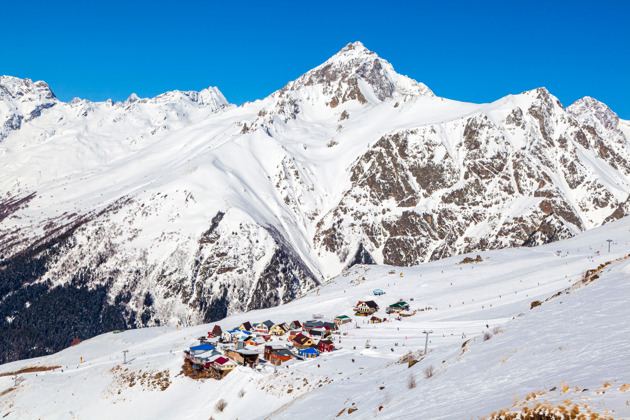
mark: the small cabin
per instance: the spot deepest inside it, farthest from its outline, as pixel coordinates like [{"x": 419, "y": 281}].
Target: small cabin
[
  {"x": 398, "y": 307},
  {"x": 243, "y": 357},
  {"x": 246, "y": 326},
  {"x": 216, "y": 332},
  {"x": 342, "y": 319},
  {"x": 378, "y": 292},
  {"x": 301, "y": 341},
  {"x": 367, "y": 307},
  {"x": 279, "y": 329},
  {"x": 277, "y": 354},
  {"x": 325, "y": 346},
  {"x": 308, "y": 353}
]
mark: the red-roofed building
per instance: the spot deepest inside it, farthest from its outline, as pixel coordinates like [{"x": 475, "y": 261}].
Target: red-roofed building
[{"x": 325, "y": 345}]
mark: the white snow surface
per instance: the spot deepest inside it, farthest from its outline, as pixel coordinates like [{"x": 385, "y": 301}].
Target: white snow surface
[{"x": 572, "y": 349}]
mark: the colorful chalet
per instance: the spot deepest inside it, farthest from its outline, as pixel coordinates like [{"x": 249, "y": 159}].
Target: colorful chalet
[
  {"x": 325, "y": 346},
  {"x": 293, "y": 334},
  {"x": 216, "y": 332},
  {"x": 295, "y": 325},
  {"x": 318, "y": 332},
  {"x": 279, "y": 329},
  {"x": 264, "y": 326},
  {"x": 342, "y": 319},
  {"x": 301, "y": 341},
  {"x": 243, "y": 357},
  {"x": 277, "y": 354},
  {"x": 308, "y": 353},
  {"x": 222, "y": 364},
  {"x": 246, "y": 326},
  {"x": 398, "y": 307},
  {"x": 367, "y": 307}
]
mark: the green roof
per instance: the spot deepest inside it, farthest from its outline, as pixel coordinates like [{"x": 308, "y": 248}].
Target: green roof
[
  {"x": 398, "y": 304},
  {"x": 343, "y": 316}
]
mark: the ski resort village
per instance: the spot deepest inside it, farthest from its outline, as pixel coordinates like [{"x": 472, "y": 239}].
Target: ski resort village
[{"x": 220, "y": 352}]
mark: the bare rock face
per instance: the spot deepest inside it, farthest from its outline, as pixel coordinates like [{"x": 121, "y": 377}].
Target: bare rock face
[{"x": 467, "y": 185}]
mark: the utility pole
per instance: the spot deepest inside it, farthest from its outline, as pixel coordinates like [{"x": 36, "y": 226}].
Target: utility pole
[
  {"x": 609, "y": 241},
  {"x": 426, "y": 343},
  {"x": 125, "y": 356}
]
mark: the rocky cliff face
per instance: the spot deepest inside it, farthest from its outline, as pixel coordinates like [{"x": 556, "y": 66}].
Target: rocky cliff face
[
  {"x": 526, "y": 173},
  {"x": 183, "y": 208}
]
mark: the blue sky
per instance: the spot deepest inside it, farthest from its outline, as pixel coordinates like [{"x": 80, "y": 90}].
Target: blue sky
[{"x": 475, "y": 51}]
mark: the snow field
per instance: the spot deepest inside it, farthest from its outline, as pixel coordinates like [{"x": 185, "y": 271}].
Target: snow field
[{"x": 579, "y": 340}]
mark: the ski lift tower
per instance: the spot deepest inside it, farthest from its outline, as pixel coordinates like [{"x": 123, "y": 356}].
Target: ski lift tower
[{"x": 426, "y": 342}]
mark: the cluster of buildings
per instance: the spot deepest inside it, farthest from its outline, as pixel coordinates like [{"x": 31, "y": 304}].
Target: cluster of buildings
[
  {"x": 252, "y": 344},
  {"x": 268, "y": 342}
]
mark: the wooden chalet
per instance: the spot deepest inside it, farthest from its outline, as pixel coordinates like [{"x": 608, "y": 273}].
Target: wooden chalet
[
  {"x": 243, "y": 357},
  {"x": 398, "y": 307},
  {"x": 200, "y": 355},
  {"x": 367, "y": 307},
  {"x": 308, "y": 353},
  {"x": 375, "y": 320},
  {"x": 222, "y": 364},
  {"x": 325, "y": 346},
  {"x": 277, "y": 354},
  {"x": 318, "y": 332},
  {"x": 264, "y": 326},
  {"x": 246, "y": 326},
  {"x": 295, "y": 325},
  {"x": 330, "y": 325},
  {"x": 308, "y": 325},
  {"x": 301, "y": 341},
  {"x": 342, "y": 319},
  {"x": 279, "y": 329},
  {"x": 216, "y": 332},
  {"x": 293, "y": 334}
]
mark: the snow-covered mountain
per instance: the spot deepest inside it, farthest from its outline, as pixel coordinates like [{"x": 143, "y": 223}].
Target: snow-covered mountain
[
  {"x": 540, "y": 332},
  {"x": 185, "y": 209}
]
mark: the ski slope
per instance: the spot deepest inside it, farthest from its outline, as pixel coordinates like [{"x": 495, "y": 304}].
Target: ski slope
[{"x": 570, "y": 351}]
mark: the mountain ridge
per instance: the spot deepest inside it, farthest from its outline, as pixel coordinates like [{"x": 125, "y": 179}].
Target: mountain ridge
[{"x": 181, "y": 212}]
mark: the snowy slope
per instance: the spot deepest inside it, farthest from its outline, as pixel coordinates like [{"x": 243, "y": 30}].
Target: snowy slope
[
  {"x": 184, "y": 209},
  {"x": 570, "y": 351}
]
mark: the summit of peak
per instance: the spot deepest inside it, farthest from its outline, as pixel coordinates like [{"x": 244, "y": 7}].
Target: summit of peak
[
  {"x": 356, "y": 73},
  {"x": 356, "y": 46},
  {"x": 14, "y": 88},
  {"x": 590, "y": 108},
  {"x": 355, "y": 52}
]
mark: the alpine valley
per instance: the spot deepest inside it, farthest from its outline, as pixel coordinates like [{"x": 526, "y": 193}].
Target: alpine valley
[{"x": 184, "y": 209}]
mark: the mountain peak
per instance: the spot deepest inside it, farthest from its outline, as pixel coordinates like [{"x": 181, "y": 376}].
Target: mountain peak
[
  {"x": 16, "y": 89},
  {"x": 356, "y": 73},
  {"x": 589, "y": 108},
  {"x": 353, "y": 49}
]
